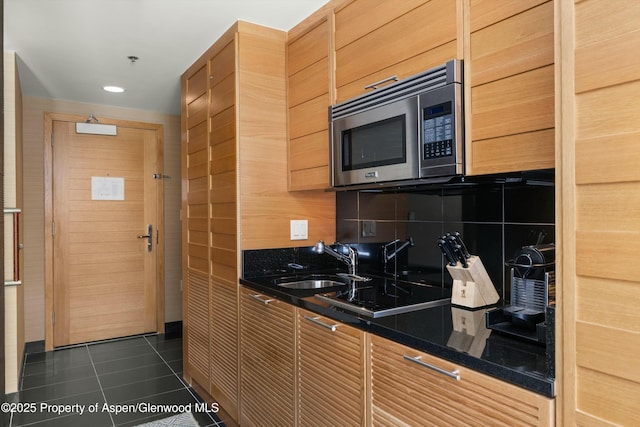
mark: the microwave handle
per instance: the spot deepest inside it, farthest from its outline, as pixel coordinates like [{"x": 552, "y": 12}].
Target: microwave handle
[{"x": 376, "y": 84}]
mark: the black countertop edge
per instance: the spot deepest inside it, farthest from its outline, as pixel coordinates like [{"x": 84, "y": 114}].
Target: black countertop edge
[{"x": 528, "y": 380}]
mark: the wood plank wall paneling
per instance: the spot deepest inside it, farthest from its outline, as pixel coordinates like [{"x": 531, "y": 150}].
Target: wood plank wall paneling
[{"x": 605, "y": 324}]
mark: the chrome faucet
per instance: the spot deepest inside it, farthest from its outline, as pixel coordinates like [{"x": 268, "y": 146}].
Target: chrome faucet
[
  {"x": 388, "y": 253},
  {"x": 351, "y": 260}
]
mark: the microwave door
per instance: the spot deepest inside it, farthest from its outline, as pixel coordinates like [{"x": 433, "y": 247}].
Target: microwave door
[{"x": 376, "y": 145}]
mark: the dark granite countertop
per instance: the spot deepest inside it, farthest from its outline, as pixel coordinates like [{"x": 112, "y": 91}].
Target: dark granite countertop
[{"x": 443, "y": 331}]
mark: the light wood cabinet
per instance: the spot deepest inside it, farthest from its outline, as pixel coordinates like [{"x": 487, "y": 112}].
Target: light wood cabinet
[
  {"x": 375, "y": 40},
  {"x": 235, "y": 195},
  {"x": 331, "y": 372},
  {"x": 309, "y": 96},
  {"x": 195, "y": 265},
  {"x": 267, "y": 360},
  {"x": 509, "y": 75},
  {"x": 12, "y": 288},
  {"x": 407, "y": 390},
  {"x": 598, "y": 182}
]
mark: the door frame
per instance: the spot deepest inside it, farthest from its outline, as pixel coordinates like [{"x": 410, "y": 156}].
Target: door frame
[{"x": 49, "y": 118}]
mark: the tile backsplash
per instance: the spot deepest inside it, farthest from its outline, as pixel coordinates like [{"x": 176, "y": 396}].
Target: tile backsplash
[{"x": 496, "y": 218}]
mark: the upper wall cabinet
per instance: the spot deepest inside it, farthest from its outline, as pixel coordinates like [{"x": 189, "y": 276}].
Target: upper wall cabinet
[
  {"x": 509, "y": 71},
  {"x": 377, "y": 40},
  {"x": 309, "y": 88}
]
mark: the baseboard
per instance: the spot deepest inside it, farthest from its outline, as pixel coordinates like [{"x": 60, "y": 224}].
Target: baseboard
[{"x": 38, "y": 346}]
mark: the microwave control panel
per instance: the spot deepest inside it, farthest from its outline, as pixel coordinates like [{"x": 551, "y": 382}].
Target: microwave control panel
[{"x": 437, "y": 131}]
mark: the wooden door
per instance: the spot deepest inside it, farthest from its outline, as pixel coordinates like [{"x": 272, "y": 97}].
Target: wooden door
[{"x": 106, "y": 209}]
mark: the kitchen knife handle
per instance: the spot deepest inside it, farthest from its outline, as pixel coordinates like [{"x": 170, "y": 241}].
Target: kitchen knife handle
[
  {"x": 446, "y": 251},
  {"x": 459, "y": 240}
]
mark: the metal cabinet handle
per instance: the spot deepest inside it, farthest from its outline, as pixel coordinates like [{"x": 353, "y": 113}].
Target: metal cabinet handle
[
  {"x": 17, "y": 246},
  {"x": 258, "y": 297},
  {"x": 318, "y": 322},
  {"x": 451, "y": 374},
  {"x": 376, "y": 84}
]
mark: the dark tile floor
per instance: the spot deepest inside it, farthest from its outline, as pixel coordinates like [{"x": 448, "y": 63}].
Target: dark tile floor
[{"x": 123, "y": 382}]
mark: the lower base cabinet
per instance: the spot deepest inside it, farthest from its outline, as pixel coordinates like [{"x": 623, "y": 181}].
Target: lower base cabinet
[
  {"x": 331, "y": 373},
  {"x": 411, "y": 388},
  {"x": 267, "y": 361}
]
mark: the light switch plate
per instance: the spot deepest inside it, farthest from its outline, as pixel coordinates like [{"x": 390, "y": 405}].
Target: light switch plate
[
  {"x": 368, "y": 229},
  {"x": 299, "y": 229}
]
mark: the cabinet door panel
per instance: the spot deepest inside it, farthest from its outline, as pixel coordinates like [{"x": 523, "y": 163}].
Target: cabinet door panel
[
  {"x": 331, "y": 378},
  {"x": 411, "y": 66},
  {"x": 360, "y": 18},
  {"x": 309, "y": 117},
  {"x": 513, "y": 46},
  {"x": 518, "y": 104},
  {"x": 197, "y": 331},
  {"x": 309, "y": 151},
  {"x": 510, "y": 72},
  {"x": 396, "y": 41},
  {"x": 308, "y": 83},
  {"x": 486, "y": 13},
  {"x": 309, "y": 48},
  {"x": 267, "y": 361},
  {"x": 223, "y": 323}
]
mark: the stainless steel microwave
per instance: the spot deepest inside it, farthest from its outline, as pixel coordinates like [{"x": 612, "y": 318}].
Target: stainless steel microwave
[{"x": 406, "y": 131}]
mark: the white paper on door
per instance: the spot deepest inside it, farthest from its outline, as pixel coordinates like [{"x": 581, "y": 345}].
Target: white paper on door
[{"x": 107, "y": 188}]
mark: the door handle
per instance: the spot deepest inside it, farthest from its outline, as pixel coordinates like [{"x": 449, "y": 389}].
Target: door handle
[{"x": 148, "y": 236}]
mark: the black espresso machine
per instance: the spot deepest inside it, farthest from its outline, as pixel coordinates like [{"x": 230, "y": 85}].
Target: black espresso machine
[{"x": 531, "y": 311}]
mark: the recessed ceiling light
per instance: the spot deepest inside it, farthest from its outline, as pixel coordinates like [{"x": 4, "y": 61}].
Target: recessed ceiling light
[{"x": 114, "y": 89}]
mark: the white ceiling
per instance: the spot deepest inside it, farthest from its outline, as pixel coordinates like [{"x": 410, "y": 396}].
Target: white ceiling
[{"x": 70, "y": 49}]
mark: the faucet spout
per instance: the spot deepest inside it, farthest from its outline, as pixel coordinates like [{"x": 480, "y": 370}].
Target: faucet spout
[{"x": 351, "y": 260}]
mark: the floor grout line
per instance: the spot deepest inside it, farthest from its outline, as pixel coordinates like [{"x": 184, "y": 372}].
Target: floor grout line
[
  {"x": 100, "y": 385},
  {"x": 164, "y": 348}
]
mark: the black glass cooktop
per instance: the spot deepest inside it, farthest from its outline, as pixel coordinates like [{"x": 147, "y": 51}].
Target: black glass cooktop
[{"x": 386, "y": 296}]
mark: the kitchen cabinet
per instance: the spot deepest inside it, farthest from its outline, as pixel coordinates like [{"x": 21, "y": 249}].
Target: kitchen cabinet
[
  {"x": 331, "y": 372},
  {"x": 235, "y": 195},
  {"x": 599, "y": 233},
  {"x": 409, "y": 387},
  {"x": 375, "y": 40},
  {"x": 267, "y": 360},
  {"x": 195, "y": 166},
  {"x": 11, "y": 181},
  {"x": 509, "y": 75},
  {"x": 309, "y": 96}
]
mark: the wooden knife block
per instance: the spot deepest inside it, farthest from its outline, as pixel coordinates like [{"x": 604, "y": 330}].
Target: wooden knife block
[{"x": 472, "y": 286}]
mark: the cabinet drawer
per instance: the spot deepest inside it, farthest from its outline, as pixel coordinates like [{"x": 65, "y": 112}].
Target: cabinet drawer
[{"x": 412, "y": 387}]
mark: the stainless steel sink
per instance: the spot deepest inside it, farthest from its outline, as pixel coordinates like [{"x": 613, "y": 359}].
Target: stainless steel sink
[{"x": 311, "y": 284}]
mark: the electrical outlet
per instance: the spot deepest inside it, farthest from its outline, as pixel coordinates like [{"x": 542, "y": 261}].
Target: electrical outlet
[{"x": 299, "y": 229}]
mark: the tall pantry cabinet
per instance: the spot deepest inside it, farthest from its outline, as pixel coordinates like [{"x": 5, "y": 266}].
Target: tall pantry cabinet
[
  {"x": 599, "y": 182},
  {"x": 234, "y": 194}
]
